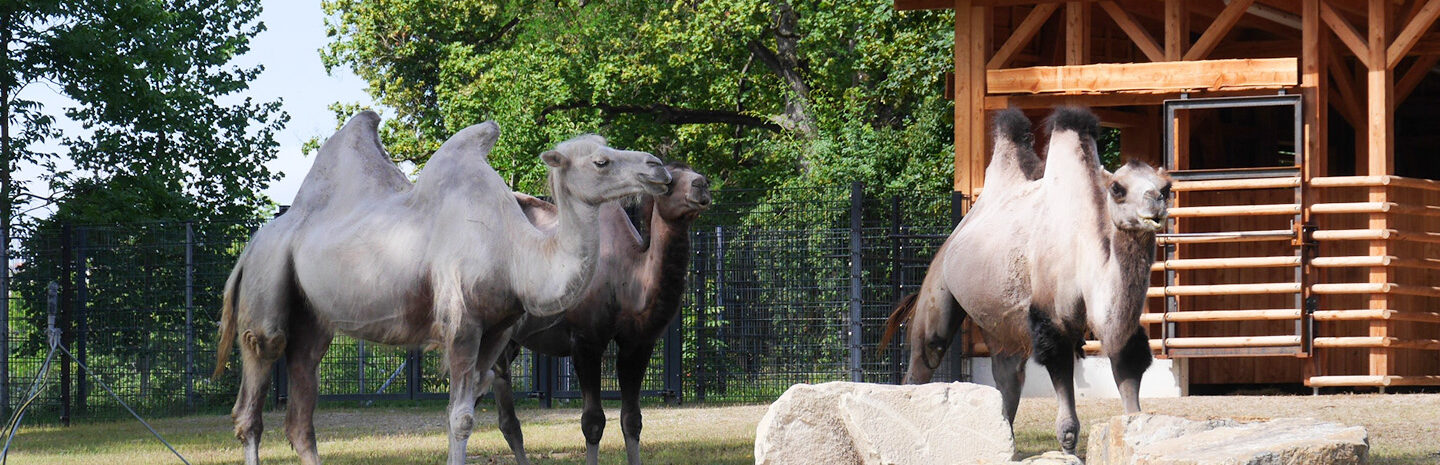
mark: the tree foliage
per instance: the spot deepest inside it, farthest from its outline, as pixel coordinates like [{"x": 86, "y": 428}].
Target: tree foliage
[{"x": 754, "y": 93}]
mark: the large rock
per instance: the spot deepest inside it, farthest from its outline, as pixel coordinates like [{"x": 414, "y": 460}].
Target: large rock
[
  {"x": 1144, "y": 439},
  {"x": 842, "y": 423}
]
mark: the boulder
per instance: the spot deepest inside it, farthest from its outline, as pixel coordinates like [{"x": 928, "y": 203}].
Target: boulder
[
  {"x": 1144, "y": 439},
  {"x": 843, "y": 422},
  {"x": 1053, "y": 457}
]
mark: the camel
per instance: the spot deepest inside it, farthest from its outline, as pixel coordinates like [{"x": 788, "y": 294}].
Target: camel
[
  {"x": 450, "y": 261},
  {"x": 635, "y": 297},
  {"x": 1043, "y": 256}
]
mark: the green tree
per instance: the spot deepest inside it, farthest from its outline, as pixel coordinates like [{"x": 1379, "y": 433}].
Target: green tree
[{"x": 754, "y": 93}]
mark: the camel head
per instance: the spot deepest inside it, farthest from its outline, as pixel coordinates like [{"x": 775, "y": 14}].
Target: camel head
[
  {"x": 586, "y": 169},
  {"x": 688, "y": 194},
  {"x": 1138, "y": 197}
]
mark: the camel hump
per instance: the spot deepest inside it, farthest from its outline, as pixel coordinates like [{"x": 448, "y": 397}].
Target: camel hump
[
  {"x": 351, "y": 164},
  {"x": 1011, "y": 124},
  {"x": 477, "y": 138},
  {"x": 1081, "y": 120}
]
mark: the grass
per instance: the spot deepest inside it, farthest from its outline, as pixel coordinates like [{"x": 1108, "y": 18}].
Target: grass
[{"x": 1403, "y": 431}]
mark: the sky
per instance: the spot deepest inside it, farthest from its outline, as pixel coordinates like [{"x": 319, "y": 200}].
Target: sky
[{"x": 289, "y": 49}]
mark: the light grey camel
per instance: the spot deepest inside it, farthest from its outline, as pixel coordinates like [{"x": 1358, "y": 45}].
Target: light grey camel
[
  {"x": 450, "y": 261},
  {"x": 633, "y": 298},
  {"x": 1038, "y": 262}
]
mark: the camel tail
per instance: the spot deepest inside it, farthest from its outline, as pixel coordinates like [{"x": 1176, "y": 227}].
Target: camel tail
[
  {"x": 903, "y": 311},
  {"x": 227, "y": 319}
]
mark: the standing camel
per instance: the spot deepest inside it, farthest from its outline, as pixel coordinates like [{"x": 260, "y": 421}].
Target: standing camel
[
  {"x": 450, "y": 261},
  {"x": 635, "y": 297},
  {"x": 1037, "y": 263}
]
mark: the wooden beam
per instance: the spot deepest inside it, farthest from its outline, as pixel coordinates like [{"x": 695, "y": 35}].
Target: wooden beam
[
  {"x": 1348, "y": 103},
  {"x": 1313, "y": 85},
  {"x": 1077, "y": 33},
  {"x": 1267, "y": 73},
  {"x": 1379, "y": 93},
  {"x": 1345, "y": 32},
  {"x": 913, "y": 5},
  {"x": 972, "y": 24},
  {"x": 1022, "y": 35},
  {"x": 1413, "y": 76},
  {"x": 1137, "y": 33},
  {"x": 1411, "y": 34},
  {"x": 1112, "y": 99},
  {"x": 1177, "y": 29},
  {"x": 1218, "y": 29}
]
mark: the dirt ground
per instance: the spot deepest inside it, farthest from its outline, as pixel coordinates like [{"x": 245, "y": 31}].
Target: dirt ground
[{"x": 1404, "y": 429}]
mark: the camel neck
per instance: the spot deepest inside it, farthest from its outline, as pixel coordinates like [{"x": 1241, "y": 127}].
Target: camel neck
[
  {"x": 666, "y": 261},
  {"x": 1133, "y": 253},
  {"x": 555, "y": 271}
]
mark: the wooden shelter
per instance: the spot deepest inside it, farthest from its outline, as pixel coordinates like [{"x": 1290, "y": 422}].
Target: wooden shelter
[{"x": 1304, "y": 241}]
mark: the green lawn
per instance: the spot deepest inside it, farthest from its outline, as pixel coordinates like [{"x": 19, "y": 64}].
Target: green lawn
[{"x": 1403, "y": 430}]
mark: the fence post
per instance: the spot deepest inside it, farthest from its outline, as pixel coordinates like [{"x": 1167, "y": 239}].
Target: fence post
[
  {"x": 67, "y": 287},
  {"x": 897, "y": 274},
  {"x": 721, "y": 373},
  {"x": 673, "y": 389},
  {"x": 960, "y": 344},
  {"x": 360, "y": 365},
  {"x": 189, "y": 316},
  {"x": 5, "y": 318},
  {"x": 412, "y": 375},
  {"x": 857, "y": 209},
  {"x": 82, "y": 310}
]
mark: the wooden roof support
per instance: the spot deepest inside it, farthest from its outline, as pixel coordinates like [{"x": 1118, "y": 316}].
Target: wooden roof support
[
  {"x": 1217, "y": 30},
  {"x": 1077, "y": 33},
  {"x": 1267, "y": 73},
  {"x": 1409, "y": 36},
  {"x": 1137, "y": 33},
  {"x": 1314, "y": 87},
  {"x": 1412, "y": 77},
  {"x": 1022, "y": 35},
  {"x": 1347, "y": 33},
  {"x": 1177, "y": 29}
]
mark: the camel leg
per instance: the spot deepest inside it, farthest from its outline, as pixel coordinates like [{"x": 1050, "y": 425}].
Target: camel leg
[
  {"x": 505, "y": 404},
  {"x": 257, "y": 355},
  {"x": 936, "y": 320},
  {"x": 1009, "y": 373},
  {"x": 1056, "y": 350},
  {"x": 592, "y": 417},
  {"x": 463, "y": 353},
  {"x": 1129, "y": 364},
  {"x": 309, "y": 340},
  {"x": 631, "y": 364}
]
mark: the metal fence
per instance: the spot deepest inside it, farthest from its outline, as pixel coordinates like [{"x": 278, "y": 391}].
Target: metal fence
[{"x": 786, "y": 286}]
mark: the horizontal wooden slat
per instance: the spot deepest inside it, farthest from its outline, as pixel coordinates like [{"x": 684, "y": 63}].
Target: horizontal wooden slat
[
  {"x": 1375, "y": 341},
  {"x": 1224, "y": 289},
  {"x": 1375, "y": 181},
  {"x": 1220, "y": 315},
  {"x": 1375, "y": 235},
  {"x": 1265, "y": 73},
  {"x": 1235, "y": 184},
  {"x": 1376, "y": 314},
  {"x": 1375, "y": 288},
  {"x": 1234, "y": 210},
  {"x": 1094, "y": 347},
  {"x": 1374, "y": 207},
  {"x": 1373, "y": 260},
  {"x": 1232, "y": 341},
  {"x": 1225, "y": 263},
  {"x": 1220, "y": 237},
  {"x": 1372, "y": 380}
]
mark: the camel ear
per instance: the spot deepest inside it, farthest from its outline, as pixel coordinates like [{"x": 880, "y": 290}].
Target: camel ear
[{"x": 553, "y": 158}]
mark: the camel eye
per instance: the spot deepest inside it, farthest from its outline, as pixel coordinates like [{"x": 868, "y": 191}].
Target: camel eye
[
  {"x": 1165, "y": 192},
  {"x": 1117, "y": 190},
  {"x": 602, "y": 162}
]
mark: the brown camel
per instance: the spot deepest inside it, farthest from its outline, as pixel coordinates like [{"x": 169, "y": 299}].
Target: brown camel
[
  {"x": 633, "y": 299},
  {"x": 1037, "y": 263},
  {"x": 449, "y": 261}
]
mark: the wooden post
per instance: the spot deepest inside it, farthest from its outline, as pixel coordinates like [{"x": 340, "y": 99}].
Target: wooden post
[
  {"x": 1177, "y": 29},
  {"x": 1314, "y": 87},
  {"x": 1380, "y": 138},
  {"x": 971, "y": 44},
  {"x": 1077, "y": 33}
]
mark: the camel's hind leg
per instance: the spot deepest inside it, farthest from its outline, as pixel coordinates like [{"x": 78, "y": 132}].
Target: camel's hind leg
[
  {"x": 586, "y": 357},
  {"x": 933, "y": 326},
  {"x": 631, "y": 363},
  {"x": 1009, "y": 373},
  {"x": 309, "y": 341},
  {"x": 505, "y": 404},
  {"x": 258, "y": 352}
]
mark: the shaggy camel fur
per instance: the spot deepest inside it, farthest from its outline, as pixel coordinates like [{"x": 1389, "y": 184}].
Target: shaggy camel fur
[
  {"x": 633, "y": 299},
  {"x": 1037, "y": 263},
  {"x": 449, "y": 261}
]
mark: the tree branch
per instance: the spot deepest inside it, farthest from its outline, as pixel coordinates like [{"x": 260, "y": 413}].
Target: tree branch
[{"x": 666, "y": 114}]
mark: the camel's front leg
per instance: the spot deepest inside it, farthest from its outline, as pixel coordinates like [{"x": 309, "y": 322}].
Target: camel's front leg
[
  {"x": 1055, "y": 350},
  {"x": 465, "y": 386},
  {"x": 630, "y": 366},
  {"x": 592, "y": 416},
  {"x": 505, "y": 404},
  {"x": 1129, "y": 364}
]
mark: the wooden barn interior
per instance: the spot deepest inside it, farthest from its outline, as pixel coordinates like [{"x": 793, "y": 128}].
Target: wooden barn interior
[{"x": 1304, "y": 239}]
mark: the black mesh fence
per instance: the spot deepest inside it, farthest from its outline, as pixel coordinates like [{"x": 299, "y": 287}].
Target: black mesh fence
[{"x": 785, "y": 286}]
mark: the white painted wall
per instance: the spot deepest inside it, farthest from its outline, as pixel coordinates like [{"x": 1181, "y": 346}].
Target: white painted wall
[{"x": 1093, "y": 379}]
